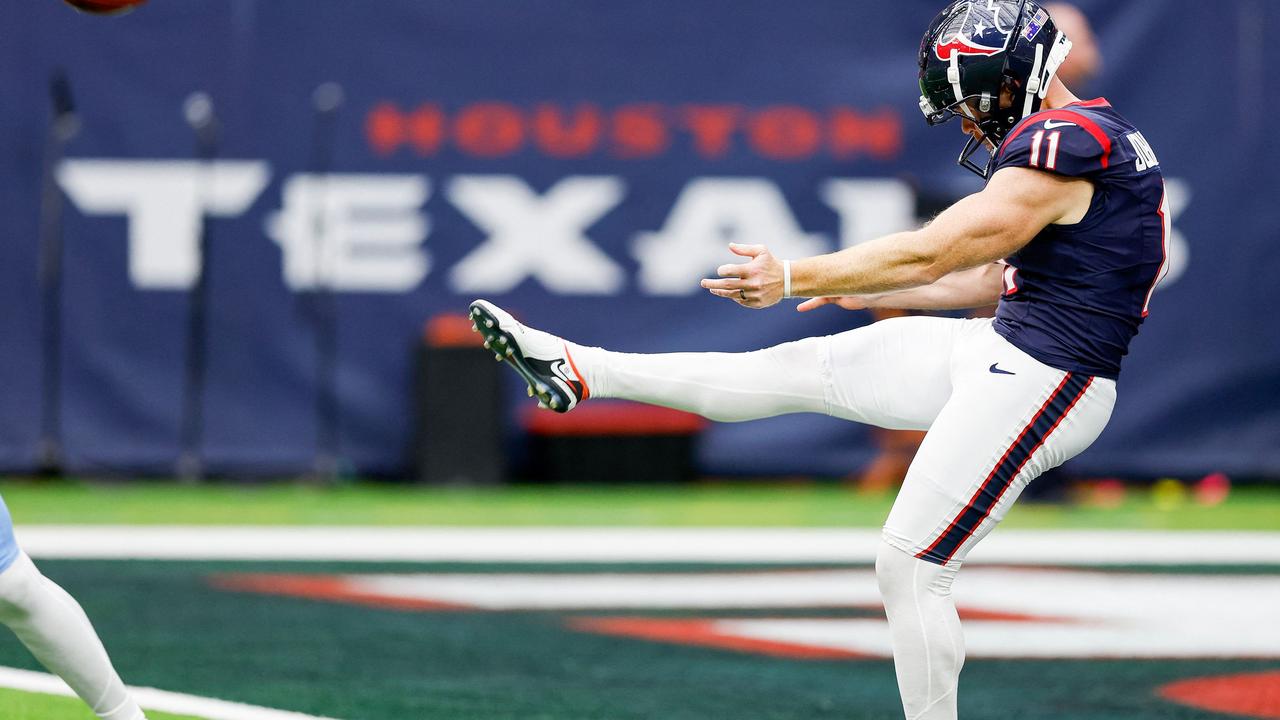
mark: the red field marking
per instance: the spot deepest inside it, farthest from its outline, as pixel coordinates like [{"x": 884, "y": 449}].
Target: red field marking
[
  {"x": 1256, "y": 695},
  {"x": 970, "y": 613},
  {"x": 703, "y": 633},
  {"x": 326, "y": 587}
]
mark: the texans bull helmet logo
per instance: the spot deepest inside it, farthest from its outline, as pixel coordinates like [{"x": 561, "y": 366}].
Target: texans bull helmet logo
[{"x": 981, "y": 31}]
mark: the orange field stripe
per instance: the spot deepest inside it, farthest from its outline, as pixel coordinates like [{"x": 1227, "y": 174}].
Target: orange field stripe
[
  {"x": 703, "y": 633},
  {"x": 1254, "y": 695},
  {"x": 326, "y": 587}
]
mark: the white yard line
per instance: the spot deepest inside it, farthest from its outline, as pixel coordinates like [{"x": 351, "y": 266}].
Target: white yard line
[
  {"x": 1014, "y": 611},
  {"x": 152, "y": 699},
  {"x": 373, "y": 544}
]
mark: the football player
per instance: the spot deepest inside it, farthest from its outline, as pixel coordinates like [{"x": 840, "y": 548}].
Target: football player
[
  {"x": 55, "y": 629},
  {"x": 1068, "y": 236}
]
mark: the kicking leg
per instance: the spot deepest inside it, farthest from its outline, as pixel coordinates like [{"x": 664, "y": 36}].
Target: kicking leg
[
  {"x": 995, "y": 434},
  {"x": 726, "y": 387},
  {"x": 56, "y": 631},
  {"x": 892, "y": 373}
]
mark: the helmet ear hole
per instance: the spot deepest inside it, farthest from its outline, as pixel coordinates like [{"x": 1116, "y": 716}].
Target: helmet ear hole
[{"x": 1010, "y": 89}]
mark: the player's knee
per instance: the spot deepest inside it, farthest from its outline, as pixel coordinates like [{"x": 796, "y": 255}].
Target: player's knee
[
  {"x": 18, "y": 585},
  {"x": 803, "y": 359},
  {"x": 902, "y": 575},
  {"x": 893, "y": 572}
]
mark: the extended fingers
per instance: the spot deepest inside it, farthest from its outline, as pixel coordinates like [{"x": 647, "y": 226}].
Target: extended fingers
[
  {"x": 738, "y": 296},
  {"x": 730, "y": 283},
  {"x": 732, "y": 271},
  {"x": 742, "y": 297},
  {"x": 747, "y": 250}
]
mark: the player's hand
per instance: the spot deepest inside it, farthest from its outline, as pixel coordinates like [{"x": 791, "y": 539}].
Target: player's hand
[
  {"x": 848, "y": 302},
  {"x": 755, "y": 284}
]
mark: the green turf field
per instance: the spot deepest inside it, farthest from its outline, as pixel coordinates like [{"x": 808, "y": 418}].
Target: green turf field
[
  {"x": 179, "y": 625},
  {"x": 712, "y": 505},
  {"x": 168, "y": 627},
  {"x": 34, "y": 706}
]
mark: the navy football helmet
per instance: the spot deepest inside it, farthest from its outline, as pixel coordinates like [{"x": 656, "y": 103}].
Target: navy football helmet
[{"x": 977, "y": 50}]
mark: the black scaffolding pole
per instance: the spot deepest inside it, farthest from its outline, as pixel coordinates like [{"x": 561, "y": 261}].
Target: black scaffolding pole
[
  {"x": 64, "y": 124},
  {"x": 198, "y": 111}
]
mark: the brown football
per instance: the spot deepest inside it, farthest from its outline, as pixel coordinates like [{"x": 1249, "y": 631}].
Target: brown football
[{"x": 105, "y": 7}]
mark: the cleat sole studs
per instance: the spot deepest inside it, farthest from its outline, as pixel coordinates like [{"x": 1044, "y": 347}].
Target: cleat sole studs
[
  {"x": 503, "y": 339},
  {"x": 488, "y": 324},
  {"x": 486, "y": 344}
]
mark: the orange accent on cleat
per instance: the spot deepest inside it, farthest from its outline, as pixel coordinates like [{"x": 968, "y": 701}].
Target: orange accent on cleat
[{"x": 586, "y": 391}]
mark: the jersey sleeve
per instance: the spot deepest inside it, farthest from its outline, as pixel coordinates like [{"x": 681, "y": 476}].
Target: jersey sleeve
[{"x": 1057, "y": 145}]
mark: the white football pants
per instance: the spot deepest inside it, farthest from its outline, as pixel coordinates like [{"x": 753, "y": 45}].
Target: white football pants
[{"x": 996, "y": 419}]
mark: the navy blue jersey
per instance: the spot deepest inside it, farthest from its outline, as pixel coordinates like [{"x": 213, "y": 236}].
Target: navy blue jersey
[{"x": 1075, "y": 295}]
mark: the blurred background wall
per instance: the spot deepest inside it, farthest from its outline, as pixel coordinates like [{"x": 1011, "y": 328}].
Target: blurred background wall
[{"x": 352, "y": 170}]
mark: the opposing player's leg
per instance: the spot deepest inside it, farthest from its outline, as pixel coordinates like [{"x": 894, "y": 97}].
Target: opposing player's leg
[
  {"x": 893, "y": 373},
  {"x": 1009, "y": 419},
  {"x": 56, "y": 631}
]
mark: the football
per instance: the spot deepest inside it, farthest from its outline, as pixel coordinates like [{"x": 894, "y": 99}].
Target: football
[{"x": 105, "y": 7}]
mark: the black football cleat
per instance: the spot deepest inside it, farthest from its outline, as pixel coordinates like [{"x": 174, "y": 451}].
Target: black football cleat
[{"x": 542, "y": 359}]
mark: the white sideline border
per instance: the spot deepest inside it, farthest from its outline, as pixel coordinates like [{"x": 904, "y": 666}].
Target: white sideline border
[
  {"x": 549, "y": 544},
  {"x": 153, "y": 699}
]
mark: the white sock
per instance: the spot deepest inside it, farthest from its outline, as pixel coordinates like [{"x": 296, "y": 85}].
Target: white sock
[
  {"x": 55, "y": 629},
  {"x": 727, "y": 387},
  {"x": 928, "y": 647}
]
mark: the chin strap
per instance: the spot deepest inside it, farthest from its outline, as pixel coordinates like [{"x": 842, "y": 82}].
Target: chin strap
[
  {"x": 953, "y": 77},
  {"x": 1034, "y": 82}
]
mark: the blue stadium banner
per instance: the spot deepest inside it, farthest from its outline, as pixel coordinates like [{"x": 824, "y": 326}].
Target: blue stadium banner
[{"x": 583, "y": 163}]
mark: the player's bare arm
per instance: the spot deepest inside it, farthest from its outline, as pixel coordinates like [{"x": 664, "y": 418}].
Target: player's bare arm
[
  {"x": 962, "y": 289},
  {"x": 984, "y": 227}
]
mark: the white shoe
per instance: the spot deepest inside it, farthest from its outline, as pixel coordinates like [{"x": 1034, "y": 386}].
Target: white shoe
[{"x": 542, "y": 359}]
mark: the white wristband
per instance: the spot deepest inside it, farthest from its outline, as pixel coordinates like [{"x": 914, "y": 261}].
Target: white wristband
[{"x": 786, "y": 278}]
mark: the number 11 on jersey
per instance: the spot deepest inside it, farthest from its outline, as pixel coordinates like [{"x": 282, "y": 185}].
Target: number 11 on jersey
[{"x": 1051, "y": 153}]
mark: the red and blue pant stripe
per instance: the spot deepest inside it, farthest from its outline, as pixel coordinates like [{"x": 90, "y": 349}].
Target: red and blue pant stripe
[{"x": 1033, "y": 436}]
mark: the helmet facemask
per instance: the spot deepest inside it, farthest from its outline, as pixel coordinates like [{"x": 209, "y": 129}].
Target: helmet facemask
[{"x": 993, "y": 116}]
